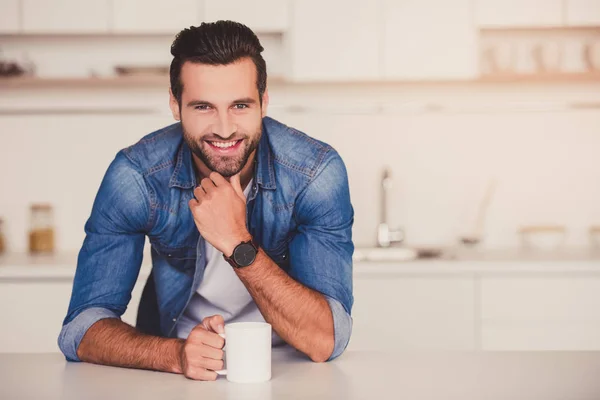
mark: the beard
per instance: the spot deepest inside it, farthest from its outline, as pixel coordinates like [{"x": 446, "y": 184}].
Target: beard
[{"x": 227, "y": 166}]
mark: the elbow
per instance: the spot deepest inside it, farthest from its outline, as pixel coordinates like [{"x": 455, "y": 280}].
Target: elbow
[
  {"x": 318, "y": 359},
  {"x": 323, "y": 351}
]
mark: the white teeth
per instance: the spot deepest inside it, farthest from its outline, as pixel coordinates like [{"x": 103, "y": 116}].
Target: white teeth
[{"x": 224, "y": 145}]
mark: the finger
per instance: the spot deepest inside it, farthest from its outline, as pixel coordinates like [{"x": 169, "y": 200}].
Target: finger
[
  {"x": 199, "y": 193},
  {"x": 217, "y": 178},
  {"x": 207, "y": 185},
  {"x": 237, "y": 185},
  {"x": 211, "y": 352},
  {"x": 192, "y": 203},
  {"x": 214, "y": 323},
  {"x": 199, "y": 335},
  {"x": 198, "y": 356},
  {"x": 200, "y": 374},
  {"x": 211, "y": 364}
]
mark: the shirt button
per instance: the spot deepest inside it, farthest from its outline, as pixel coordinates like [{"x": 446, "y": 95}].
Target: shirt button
[{"x": 174, "y": 319}]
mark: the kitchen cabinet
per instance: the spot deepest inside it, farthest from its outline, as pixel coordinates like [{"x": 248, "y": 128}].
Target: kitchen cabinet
[
  {"x": 582, "y": 12},
  {"x": 259, "y": 15},
  {"x": 334, "y": 40},
  {"x": 65, "y": 16},
  {"x": 33, "y": 311},
  {"x": 429, "y": 39},
  {"x": 518, "y": 13},
  {"x": 406, "y": 312},
  {"x": 10, "y": 16},
  {"x": 155, "y": 16},
  {"x": 540, "y": 312},
  {"x": 414, "y": 305}
]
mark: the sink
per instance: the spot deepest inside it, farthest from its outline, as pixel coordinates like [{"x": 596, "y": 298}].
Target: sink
[{"x": 385, "y": 254}]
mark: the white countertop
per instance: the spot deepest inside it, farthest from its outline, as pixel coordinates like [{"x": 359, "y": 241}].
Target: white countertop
[
  {"x": 354, "y": 375},
  {"x": 63, "y": 265},
  {"x": 51, "y": 266}
]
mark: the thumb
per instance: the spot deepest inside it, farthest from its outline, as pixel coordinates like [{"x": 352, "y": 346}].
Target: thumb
[
  {"x": 214, "y": 323},
  {"x": 237, "y": 185}
]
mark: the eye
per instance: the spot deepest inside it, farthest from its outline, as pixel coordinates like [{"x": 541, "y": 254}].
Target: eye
[
  {"x": 202, "y": 107},
  {"x": 240, "y": 106}
]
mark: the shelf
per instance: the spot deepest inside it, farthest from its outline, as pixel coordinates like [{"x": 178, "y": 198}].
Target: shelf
[
  {"x": 22, "y": 267},
  {"x": 59, "y": 266},
  {"x": 116, "y": 35},
  {"x": 129, "y": 81},
  {"x": 579, "y": 77},
  {"x": 548, "y": 28},
  {"x": 163, "y": 81},
  {"x": 107, "y": 82}
]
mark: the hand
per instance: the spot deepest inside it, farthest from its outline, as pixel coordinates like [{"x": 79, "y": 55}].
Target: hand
[
  {"x": 202, "y": 354},
  {"x": 219, "y": 211}
]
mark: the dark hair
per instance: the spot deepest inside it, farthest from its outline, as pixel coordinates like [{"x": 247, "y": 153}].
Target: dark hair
[{"x": 216, "y": 43}]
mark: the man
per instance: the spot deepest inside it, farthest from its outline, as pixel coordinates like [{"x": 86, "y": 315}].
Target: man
[{"x": 248, "y": 219}]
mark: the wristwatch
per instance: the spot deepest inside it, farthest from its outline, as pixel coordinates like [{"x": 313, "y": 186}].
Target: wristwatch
[{"x": 243, "y": 255}]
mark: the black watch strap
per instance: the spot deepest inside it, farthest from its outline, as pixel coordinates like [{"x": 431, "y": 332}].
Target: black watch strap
[{"x": 231, "y": 259}]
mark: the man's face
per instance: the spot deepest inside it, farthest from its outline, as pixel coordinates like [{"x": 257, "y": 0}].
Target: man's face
[{"x": 221, "y": 113}]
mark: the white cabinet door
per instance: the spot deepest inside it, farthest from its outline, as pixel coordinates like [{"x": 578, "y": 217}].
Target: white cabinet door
[
  {"x": 32, "y": 312},
  {"x": 583, "y": 12},
  {"x": 518, "y": 13},
  {"x": 154, "y": 16},
  {"x": 65, "y": 16},
  {"x": 9, "y": 16},
  {"x": 429, "y": 39},
  {"x": 259, "y": 15},
  {"x": 334, "y": 40},
  {"x": 413, "y": 313},
  {"x": 540, "y": 313}
]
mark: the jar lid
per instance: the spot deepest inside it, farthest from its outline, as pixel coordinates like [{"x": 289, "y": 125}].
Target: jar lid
[{"x": 41, "y": 206}]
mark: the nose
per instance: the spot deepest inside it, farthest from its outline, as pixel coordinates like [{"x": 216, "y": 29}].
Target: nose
[{"x": 225, "y": 128}]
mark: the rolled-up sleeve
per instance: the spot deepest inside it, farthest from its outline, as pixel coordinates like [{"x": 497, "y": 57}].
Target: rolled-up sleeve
[
  {"x": 321, "y": 251},
  {"x": 342, "y": 326},
  {"x": 109, "y": 261}
]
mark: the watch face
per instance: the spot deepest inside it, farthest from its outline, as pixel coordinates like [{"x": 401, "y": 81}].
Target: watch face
[{"x": 244, "y": 254}]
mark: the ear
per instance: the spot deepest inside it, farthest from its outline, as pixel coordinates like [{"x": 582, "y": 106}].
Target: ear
[
  {"x": 265, "y": 102},
  {"x": 174, "y": 105}
]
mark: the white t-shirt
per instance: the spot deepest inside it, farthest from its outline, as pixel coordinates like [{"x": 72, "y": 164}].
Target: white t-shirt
[{"x": 220, "y": 292}]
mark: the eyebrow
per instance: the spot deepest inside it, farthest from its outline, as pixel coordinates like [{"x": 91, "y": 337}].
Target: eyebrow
[{"x": 244, "y": 100}]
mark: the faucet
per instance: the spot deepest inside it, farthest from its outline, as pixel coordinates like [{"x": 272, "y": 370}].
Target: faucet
[{"x": 385, "y": 235}]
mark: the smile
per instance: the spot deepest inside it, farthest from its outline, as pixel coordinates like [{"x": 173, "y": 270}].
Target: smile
[{"x": 230, "y": 145}]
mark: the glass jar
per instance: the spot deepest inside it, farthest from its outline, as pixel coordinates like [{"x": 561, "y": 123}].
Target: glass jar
[
  {"x": 41, "y": 232},
  {"x": 2, "y": 241}
]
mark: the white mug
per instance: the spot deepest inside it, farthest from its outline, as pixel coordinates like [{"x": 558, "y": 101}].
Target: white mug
[{"x": 247, "y": 352}]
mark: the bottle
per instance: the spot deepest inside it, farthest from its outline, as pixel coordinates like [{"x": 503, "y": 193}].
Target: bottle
[
  {"x": 2, "y": 241},
  {"x": 41, "y": 233}
]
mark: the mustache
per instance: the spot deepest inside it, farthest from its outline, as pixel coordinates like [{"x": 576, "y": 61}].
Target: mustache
[{"x": 217, "y": 138}]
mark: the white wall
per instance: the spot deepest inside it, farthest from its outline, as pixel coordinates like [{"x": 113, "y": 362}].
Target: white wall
[{"x": 543, "y": 154}]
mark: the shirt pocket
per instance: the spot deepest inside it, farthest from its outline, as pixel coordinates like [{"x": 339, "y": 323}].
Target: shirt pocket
[
  {"x": 181, "y": 258},
  {"x": 281, "y": 254}
]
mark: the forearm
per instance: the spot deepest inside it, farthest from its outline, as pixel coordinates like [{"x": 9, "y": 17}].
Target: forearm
[
  {"x": 299, "y": 315},
  {"x": 111, "y": 341}
]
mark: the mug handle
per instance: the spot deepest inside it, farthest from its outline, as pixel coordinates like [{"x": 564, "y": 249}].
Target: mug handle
[{"x": 222, "y": 371}]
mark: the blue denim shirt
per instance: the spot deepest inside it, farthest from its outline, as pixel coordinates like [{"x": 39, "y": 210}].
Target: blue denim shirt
[{"x": 298, "y": 210}]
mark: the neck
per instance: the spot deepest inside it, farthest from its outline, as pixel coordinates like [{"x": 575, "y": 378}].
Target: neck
[{"x": 203, "y": 171}]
